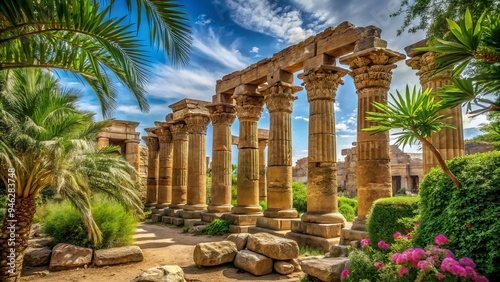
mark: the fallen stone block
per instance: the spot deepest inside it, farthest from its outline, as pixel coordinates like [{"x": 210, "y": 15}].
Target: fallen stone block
[
  {"x": 166, "y": 273},
  {"x": 214, "y": 253},
  {"x": 66, "y": 256},
  {"x": 117, "y": 255},
  {"x": 253, "y": 263},
  {"x": 283, "y": 267},
  {"x": 239, "y": 239},
  {"x": 325, "y": 269},
  {"x": 273, "y": 246},
  {"x": 37, "y": 256}
]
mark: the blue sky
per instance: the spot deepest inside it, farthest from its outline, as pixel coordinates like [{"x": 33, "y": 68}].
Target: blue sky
[{"x": 229, "y": 35}]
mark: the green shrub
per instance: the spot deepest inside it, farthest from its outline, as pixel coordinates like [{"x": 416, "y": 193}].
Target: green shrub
[
  {"x": 352, "y": 202},
  {"x": 217, "y": 227},
  {"x": 347, "y": 211},
  {"x": 263, "y": 205},
  {"x": 469, "y": 216},
  {"x": 383, "y": 222},
  {"x": 65, "y": 225},
  {"x": 305, "y": 250},
  {"x": 299, "y": 196}
]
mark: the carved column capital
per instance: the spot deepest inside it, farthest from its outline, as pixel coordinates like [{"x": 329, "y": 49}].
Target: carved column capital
[
  {"x": 164, "y": 134},
  {"x": 222, "y": 113},
  {"x": 279, "y": 96},
  {"x": 179, "y": 131},
  {"x": 152, "y": 143},
  {"x": 322, "y": 83},
  {"x": 425, "y": 65},
  {"x": 197, "y": 123},
  {"x": 249, "y": 106}
]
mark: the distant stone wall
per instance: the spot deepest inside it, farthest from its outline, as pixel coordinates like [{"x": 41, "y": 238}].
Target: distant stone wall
[
  {"x": 143, "y": 171},
  {"x": 478, "y": 147}
]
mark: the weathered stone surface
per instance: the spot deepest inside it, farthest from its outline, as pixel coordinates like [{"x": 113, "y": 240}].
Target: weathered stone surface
[
  {"x": 283, "y": 267},
  {"x": 166, "y": 273},
  {"x": 326, "y": 269},
  {"x": 197, "y": 228},
  {"x": 338, "y": 251},
  {"x": 66, "y": 256},
  {"x": 254, "y": 263},
  {"x": 240, "y": 240},
  {"x": 40, "y": 242},
  {"x": 214, "y": 253},
  {"x": 36, "y": 231},
  {"x": 313, "y": 241},
  {"x": 273, "y": 246},
  {"x": 296, "y": 265},
  {"x": 37, "y": 256},
  {"x": 117, "y": 255}
]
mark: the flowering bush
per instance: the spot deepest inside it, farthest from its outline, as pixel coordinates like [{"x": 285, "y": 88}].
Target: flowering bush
[{"x": 392, "y": 263}]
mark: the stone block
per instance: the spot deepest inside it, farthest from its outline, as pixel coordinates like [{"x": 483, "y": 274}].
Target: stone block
[
  {"x": 209, "y": 217},
  {"x": 296, "y": 264},
  {"x": 242, "y": 219},
  {"x": 166, "y": 219},
  {"x": 313, "y": 241},
  {"x": 256, "y": 229},
  {"x": 193, "y": 222},
  {"x": 254, "y": 263},
  {"x": 172, "y": 212},
  {"x": 370, "y": 42},
  {"x": 157, "y": 211},
  {"x": 166, "y": 273},
  {"x": 37, "y": 256},
  {"x": 240, "y": 240},
  {"x": 66, "y": 256},
  {"x": 354, "y": 244},
  {"x": 177, "y": 221},
  {"x": 156, "y": 217},
  {"x": 340, "y": 44},
  {"x": 117, "y": 255},
  {"x": 283, "y": 267},
  {"x": 40, "y": 242},
  {"x": 214, "y": 253},
  {"x": 326, "y": 269},
  {"x": 190, "y": 214},
  {"x": 238, "y": 229},
  {"x": 275, "y": 223},
  {"x": 351, "y": 235},
  {"x": 339, "y": 251},
  {"x": 331, "y": 230},
  {"x": 273, "y": 246}
]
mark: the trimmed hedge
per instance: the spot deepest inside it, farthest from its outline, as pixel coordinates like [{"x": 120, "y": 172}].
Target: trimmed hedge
[
  {"x": 469, "y": 217},
  {"x": 383, "y": 222}
]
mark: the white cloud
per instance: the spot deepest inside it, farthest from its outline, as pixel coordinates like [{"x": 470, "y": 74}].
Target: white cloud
[
  {"x": 302, "y": 118},
  {"x": 254, "y": 49},
  {"x": 342, "y": 127},
  {"x": 474, "y": 122},
  {"x": 209, "y": 44},
  {"x": 203, "y": 20},
  {"x": 265, "y": 17},
  {"x": 134, "y": 109},
  {"x": 336, "y": 107}
]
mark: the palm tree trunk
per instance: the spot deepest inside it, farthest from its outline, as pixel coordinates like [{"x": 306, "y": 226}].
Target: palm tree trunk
[
  {"x": 441, "y": 162},
  {"x": 14, "y": 238}
]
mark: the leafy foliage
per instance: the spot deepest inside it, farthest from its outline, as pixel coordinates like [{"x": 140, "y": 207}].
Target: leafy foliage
[
  {"x": 299, "y": 196},
  {"x": 217, "y": 227},
  {"x": 383, "y": 222},
  {"x": 65, "y": 224},
  {"x": 467, "y": 216},
  {"x": 347, "y": 211}
]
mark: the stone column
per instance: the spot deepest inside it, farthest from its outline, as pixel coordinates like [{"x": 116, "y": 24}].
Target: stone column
[
  {"x": 449, "y": 141},
  {"x": 321, "y": 83},
  {"x": 133, "y": 154},
  {"x": 197, "y": 168},
  {"x": 262, "y": 170},
  {"x": 152, "y": 182},
  {"x": 249, "y": 106},
  {"x": 279, "y": 98},
  {"x": 222, "y": 116},
  {"x": 102, "y": 142},
  {"x": 179, "y": 165},
  {"x": 165, "y": 165},
  {"x": 372, "y": 73}
]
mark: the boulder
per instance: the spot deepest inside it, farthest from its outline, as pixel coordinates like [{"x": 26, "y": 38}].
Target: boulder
[
  {"x": 254, "y": 263},
  {"x": 296, "y": 265},
  {"x": 36, "y": 231},
  {"x": 40, "y": 242},
  {"x": 166, "y": 273},
  {"x": 273, "y": 246},
  {"x": 338, "y": 251},
  {"x": 283, "y": 267},
  {"x": 66, "y": 256},
  {"x": 214, "y": 253},
  {"x": 325, "y": 269},
  {"x": 37, "y": 256},
  {"x": 117, "y": 255},
  {"x": 239, "y": 239}
]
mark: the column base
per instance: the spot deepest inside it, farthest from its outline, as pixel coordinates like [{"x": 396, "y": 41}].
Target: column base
[
  {"x": 191, "y": 214},
  {"x": 321, "y": 243},
  {"x": 211, "y": 216},
  {"x": 359, "y": 224},
  {"x": 219, "y": 208},
  {"x": 172, "y": 212},
  {"x": 241, "y": 222},
  {"x": 350, "y": 235},
  {"x": 281, "y": 213},
  {"x": 157, "y": 211},
  {"x": 325, "y": 218},
  {"x": 256, "y": 229},
  {"x": 149, "y": 205},
  {"x": 324, "y": 230},
  {"x": 176, "y": 206},
  {"x": 275, "y": 223},
  {"x": 146, "y": 209},
  {"x": 195, "y": 207},
  {"x": 162, "y": 205},
  {"x": 253, "y": 209}
]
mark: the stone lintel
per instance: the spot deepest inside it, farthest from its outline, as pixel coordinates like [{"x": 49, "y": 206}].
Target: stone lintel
[
  {"x": 242, "y": 219},
  {"x": 318, "y": 61},
  {"x": 370, "y": 42},
  {"x": 257, "y": 229},
  {"x": 411, "y": 52},
  {"x": 191, "y": 214},
  {"x": 395, "y": 56},
  {"x": 330, "y": 230},
  {"x": 275, "y": 223},
  {"x": 161, "y": 124},
  {"x": 245, "y": 89},
  {"x": 263, "y": 134},
  {"x": 321, "y": 243},
  {"x": 326, "y": 69},
  {"x": 279, "y": 76},
  {"x": 186, "y": 107}
]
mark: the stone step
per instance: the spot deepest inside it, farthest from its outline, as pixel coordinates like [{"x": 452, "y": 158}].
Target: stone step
[
  {"x": 257, "y": 229},
  {"x": 338, "y": 251},
  {"x": 156, "y": 217},
  {"x": 325, "y": 269},
  {"x": 193, "y": 222},
  {"x": 349, "y": 235}
]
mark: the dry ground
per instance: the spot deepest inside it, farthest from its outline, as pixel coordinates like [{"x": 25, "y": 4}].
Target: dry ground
[{"x": 161, "y": 245}]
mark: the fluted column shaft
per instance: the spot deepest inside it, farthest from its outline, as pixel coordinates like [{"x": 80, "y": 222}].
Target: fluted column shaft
[
  {"x": 197, "y": 169},
  {"x": 165, "y": 167},
  {"x": 133, "y": 154},
  {"x": 262, "y": 170},
  {"x": 279, "y": 99},
  {"x": 249, "y": 106},
  {"x": 180, "y": 165},
  {"x": 152, "y": 182},
  {"x": 449, "y": 141},
  {"x": 222, "y": 116},
  {"x": 372, "y": 73},
  {"x": 321, "y": 85}
]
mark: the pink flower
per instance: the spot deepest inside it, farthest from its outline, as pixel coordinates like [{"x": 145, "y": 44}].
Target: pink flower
[
  {"x": 465, "y": 261},
  {"x": 457, "y": 269},
  {"x": 440, "y": 276},
  {"x": 365, "y": 242},
  {"x": 422, "y": 265},
  {"x": 471, "y": 272},
  {"x": 481, "y": 278},
  {"x": 383, "y": 245},
  {"x": 395, "y": 256},
  {"x": 403, "y": 258},
  {"x": 447, "y": 264},
  {"x": 397, "y": 235},
  {"x": 440, "y": 239},
  {"x": 379, "y": 264},
  {"x": 402, "y": 271},
  {"x": 344, "y": 273}
]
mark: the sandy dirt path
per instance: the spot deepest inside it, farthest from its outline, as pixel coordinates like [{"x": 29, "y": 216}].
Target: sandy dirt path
[{"x": 161, "y": 245}]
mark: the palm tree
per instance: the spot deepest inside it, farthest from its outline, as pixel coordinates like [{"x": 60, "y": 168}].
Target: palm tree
[
  {"x": 416, "y": 114},
  {"x": 85, "y": 39},
  {"x": 53, "y": 144}
]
